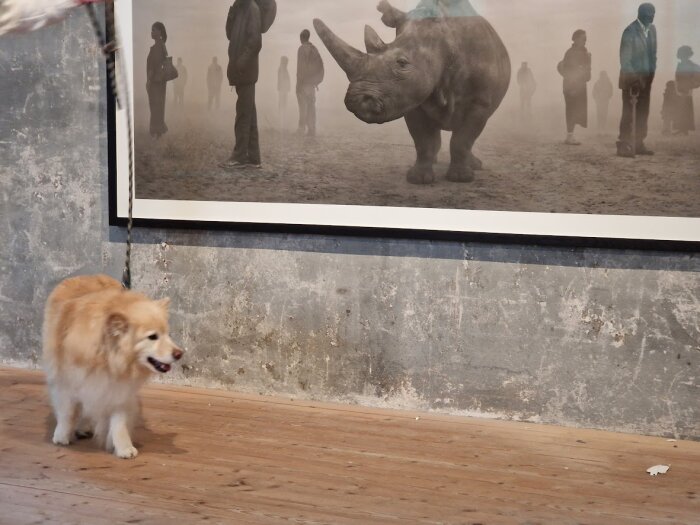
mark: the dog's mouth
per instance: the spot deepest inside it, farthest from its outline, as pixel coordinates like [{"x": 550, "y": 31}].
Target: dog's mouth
[{"x": 160, "y": 367}]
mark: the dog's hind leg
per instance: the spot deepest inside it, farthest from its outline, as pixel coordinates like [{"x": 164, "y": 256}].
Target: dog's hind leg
[
  {"x": 101, "y": 431},
  {"x": 66, "y": 411},
  {"x": 84, "y": 430}
]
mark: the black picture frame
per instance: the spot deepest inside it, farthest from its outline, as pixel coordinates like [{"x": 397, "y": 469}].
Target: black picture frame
[{"x": 290, "y": 227}]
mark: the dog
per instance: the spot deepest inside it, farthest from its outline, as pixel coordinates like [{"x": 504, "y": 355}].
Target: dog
[{"x": 101, "y": 343}]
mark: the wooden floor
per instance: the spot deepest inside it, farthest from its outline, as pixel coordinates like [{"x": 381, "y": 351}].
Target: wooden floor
[{"x": 217, "y": 457}]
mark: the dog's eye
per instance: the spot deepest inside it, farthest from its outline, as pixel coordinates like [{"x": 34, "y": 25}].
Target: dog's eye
[{"x": 153, "y": 337}]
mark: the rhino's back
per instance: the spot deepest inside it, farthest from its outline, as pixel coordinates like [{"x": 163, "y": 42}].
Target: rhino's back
[
  {"x": 478, "y": 54},
  {"x": 478, "y": 71}
]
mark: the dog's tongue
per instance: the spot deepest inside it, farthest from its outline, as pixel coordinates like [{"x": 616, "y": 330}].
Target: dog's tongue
[{"x": 161, "y": 367}]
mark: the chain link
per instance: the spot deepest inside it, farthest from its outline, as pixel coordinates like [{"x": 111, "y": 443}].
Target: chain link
[{"x": 110, "y": 47}]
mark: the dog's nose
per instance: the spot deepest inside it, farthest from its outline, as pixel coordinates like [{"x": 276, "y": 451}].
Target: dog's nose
[{"x": 177, "y": 353}]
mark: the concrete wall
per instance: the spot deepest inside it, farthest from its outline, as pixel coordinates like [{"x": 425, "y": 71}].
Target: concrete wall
[{"x": 604, "y": 339}]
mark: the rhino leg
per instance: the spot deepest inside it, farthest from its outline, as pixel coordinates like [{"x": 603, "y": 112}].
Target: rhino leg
[
  {"x": 462, "y": 161},
  {"x": 475, "y": 162},
  {"x": 426, "y": 136}
]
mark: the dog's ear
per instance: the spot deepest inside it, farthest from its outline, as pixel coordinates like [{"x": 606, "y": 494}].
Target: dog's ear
[
  {"x": 164, "y": 303},
  {"x": 117, "y": 325}
]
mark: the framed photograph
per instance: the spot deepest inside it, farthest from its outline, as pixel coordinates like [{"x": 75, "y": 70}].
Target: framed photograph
[{"x": 542, "y": 121}]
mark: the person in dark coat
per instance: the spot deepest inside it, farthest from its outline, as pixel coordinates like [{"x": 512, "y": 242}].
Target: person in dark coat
[
  {"x": 637, "y": 70},
  {"x": 576, "y": 70},
  {"x": 155, "y": 84},
  {"x": 215, "y": 78},
  {"x": 602, "y": 93},
  {"x": 528, "y": 86},
  {"x": 310, "y": 74},
  {"x": 669, "y": 109},
  {"x": 687, "y": 79},
  {"x": 244, "y": 32}
]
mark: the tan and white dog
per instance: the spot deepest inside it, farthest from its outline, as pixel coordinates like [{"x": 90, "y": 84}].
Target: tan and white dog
[{"x": 101, "y": 344}]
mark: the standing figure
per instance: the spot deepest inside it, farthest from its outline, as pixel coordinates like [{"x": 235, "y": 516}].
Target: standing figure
[
  {"x": 215, "y": 78},
  {"x": 669, "y": 110},
  {"x": 576, "y": 70},
  {"x": 155, "y": 83},
  {"x": 637, "y": 71},
  {"x": 180, "y": 83},
  {"x": 687, "y": 79},
  {"x": 284, "y": 86},
  {"x": 528, "y": 86},
  {"x": 602, "y": 93},
  {"x": 244, "y": 32},
  {"x": 310, "y": 74}
]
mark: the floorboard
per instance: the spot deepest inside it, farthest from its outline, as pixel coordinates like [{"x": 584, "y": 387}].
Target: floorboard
[{"x": 210, "y": 456}]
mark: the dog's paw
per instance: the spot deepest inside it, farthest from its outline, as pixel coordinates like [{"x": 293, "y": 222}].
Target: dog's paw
[
  {"x": 126, "y": 453},
  {"x": 59, "y": 439}
]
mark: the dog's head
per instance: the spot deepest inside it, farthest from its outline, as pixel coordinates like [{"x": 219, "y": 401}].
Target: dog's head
[{"x": 137, "y": 331}]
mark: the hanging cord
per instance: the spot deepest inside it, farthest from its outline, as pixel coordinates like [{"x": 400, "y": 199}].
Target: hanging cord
[{"x": 110, "y": 50}]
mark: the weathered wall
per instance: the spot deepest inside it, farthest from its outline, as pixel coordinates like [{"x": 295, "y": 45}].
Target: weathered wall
[{"x": 580, "y": 337}]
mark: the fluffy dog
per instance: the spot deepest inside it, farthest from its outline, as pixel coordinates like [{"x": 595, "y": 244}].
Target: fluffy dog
[{"x": 101, "y": 344}]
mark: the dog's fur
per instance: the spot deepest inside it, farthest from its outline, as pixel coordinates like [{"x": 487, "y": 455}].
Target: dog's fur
[{"x": 101, "y": 344}]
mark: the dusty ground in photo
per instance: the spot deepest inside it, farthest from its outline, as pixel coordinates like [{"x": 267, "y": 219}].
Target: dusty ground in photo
[{"x": 524, "y": 170}]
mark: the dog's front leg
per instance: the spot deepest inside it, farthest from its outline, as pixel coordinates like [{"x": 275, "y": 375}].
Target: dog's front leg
[
  {"x": 119, "y": 436},
  {"x": 66, "y": 411}
]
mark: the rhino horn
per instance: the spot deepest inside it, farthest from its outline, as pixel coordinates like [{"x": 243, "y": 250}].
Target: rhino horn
[
  {"x": 348, "y": 58},
  {"x": 373, "y": 42}
]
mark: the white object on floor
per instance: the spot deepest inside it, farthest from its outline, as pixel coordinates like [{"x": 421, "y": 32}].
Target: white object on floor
[{"x": 658, "y": 469}]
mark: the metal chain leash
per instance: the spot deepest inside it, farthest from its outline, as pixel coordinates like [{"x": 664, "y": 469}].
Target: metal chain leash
[{"x": 110, "y": 46}]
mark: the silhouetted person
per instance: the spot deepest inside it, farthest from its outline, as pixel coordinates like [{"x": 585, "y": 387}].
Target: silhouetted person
[
  {"x": 637, "y": 71},
  {"x": 687, "y": 79},
  {"x": 155, "y": 83},
  {"x": 669, "y": 109},
  {"x": 284, "y": 86},
  {"x": 244, "y": 32},
  {"x": 576, "y": 70},
  {"x": 310, "y": 74},
  {"x": 215, "y": 78},
  {"x": 180, "y": 83},
  {"x": 528, "y": 86},
  {"x": 602, "y": 93}
]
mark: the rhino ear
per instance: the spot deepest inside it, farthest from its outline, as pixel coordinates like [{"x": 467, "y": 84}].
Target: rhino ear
[{"x": 373, "y": 42}]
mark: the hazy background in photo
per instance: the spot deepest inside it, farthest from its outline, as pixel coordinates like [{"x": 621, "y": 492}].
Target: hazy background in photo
[
  {"x": 526, "y": 165},
  {"x": 536, "y": 31}
]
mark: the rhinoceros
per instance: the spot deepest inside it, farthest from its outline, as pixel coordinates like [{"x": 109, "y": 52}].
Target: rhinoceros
[{"x": 447, "y": 69}]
